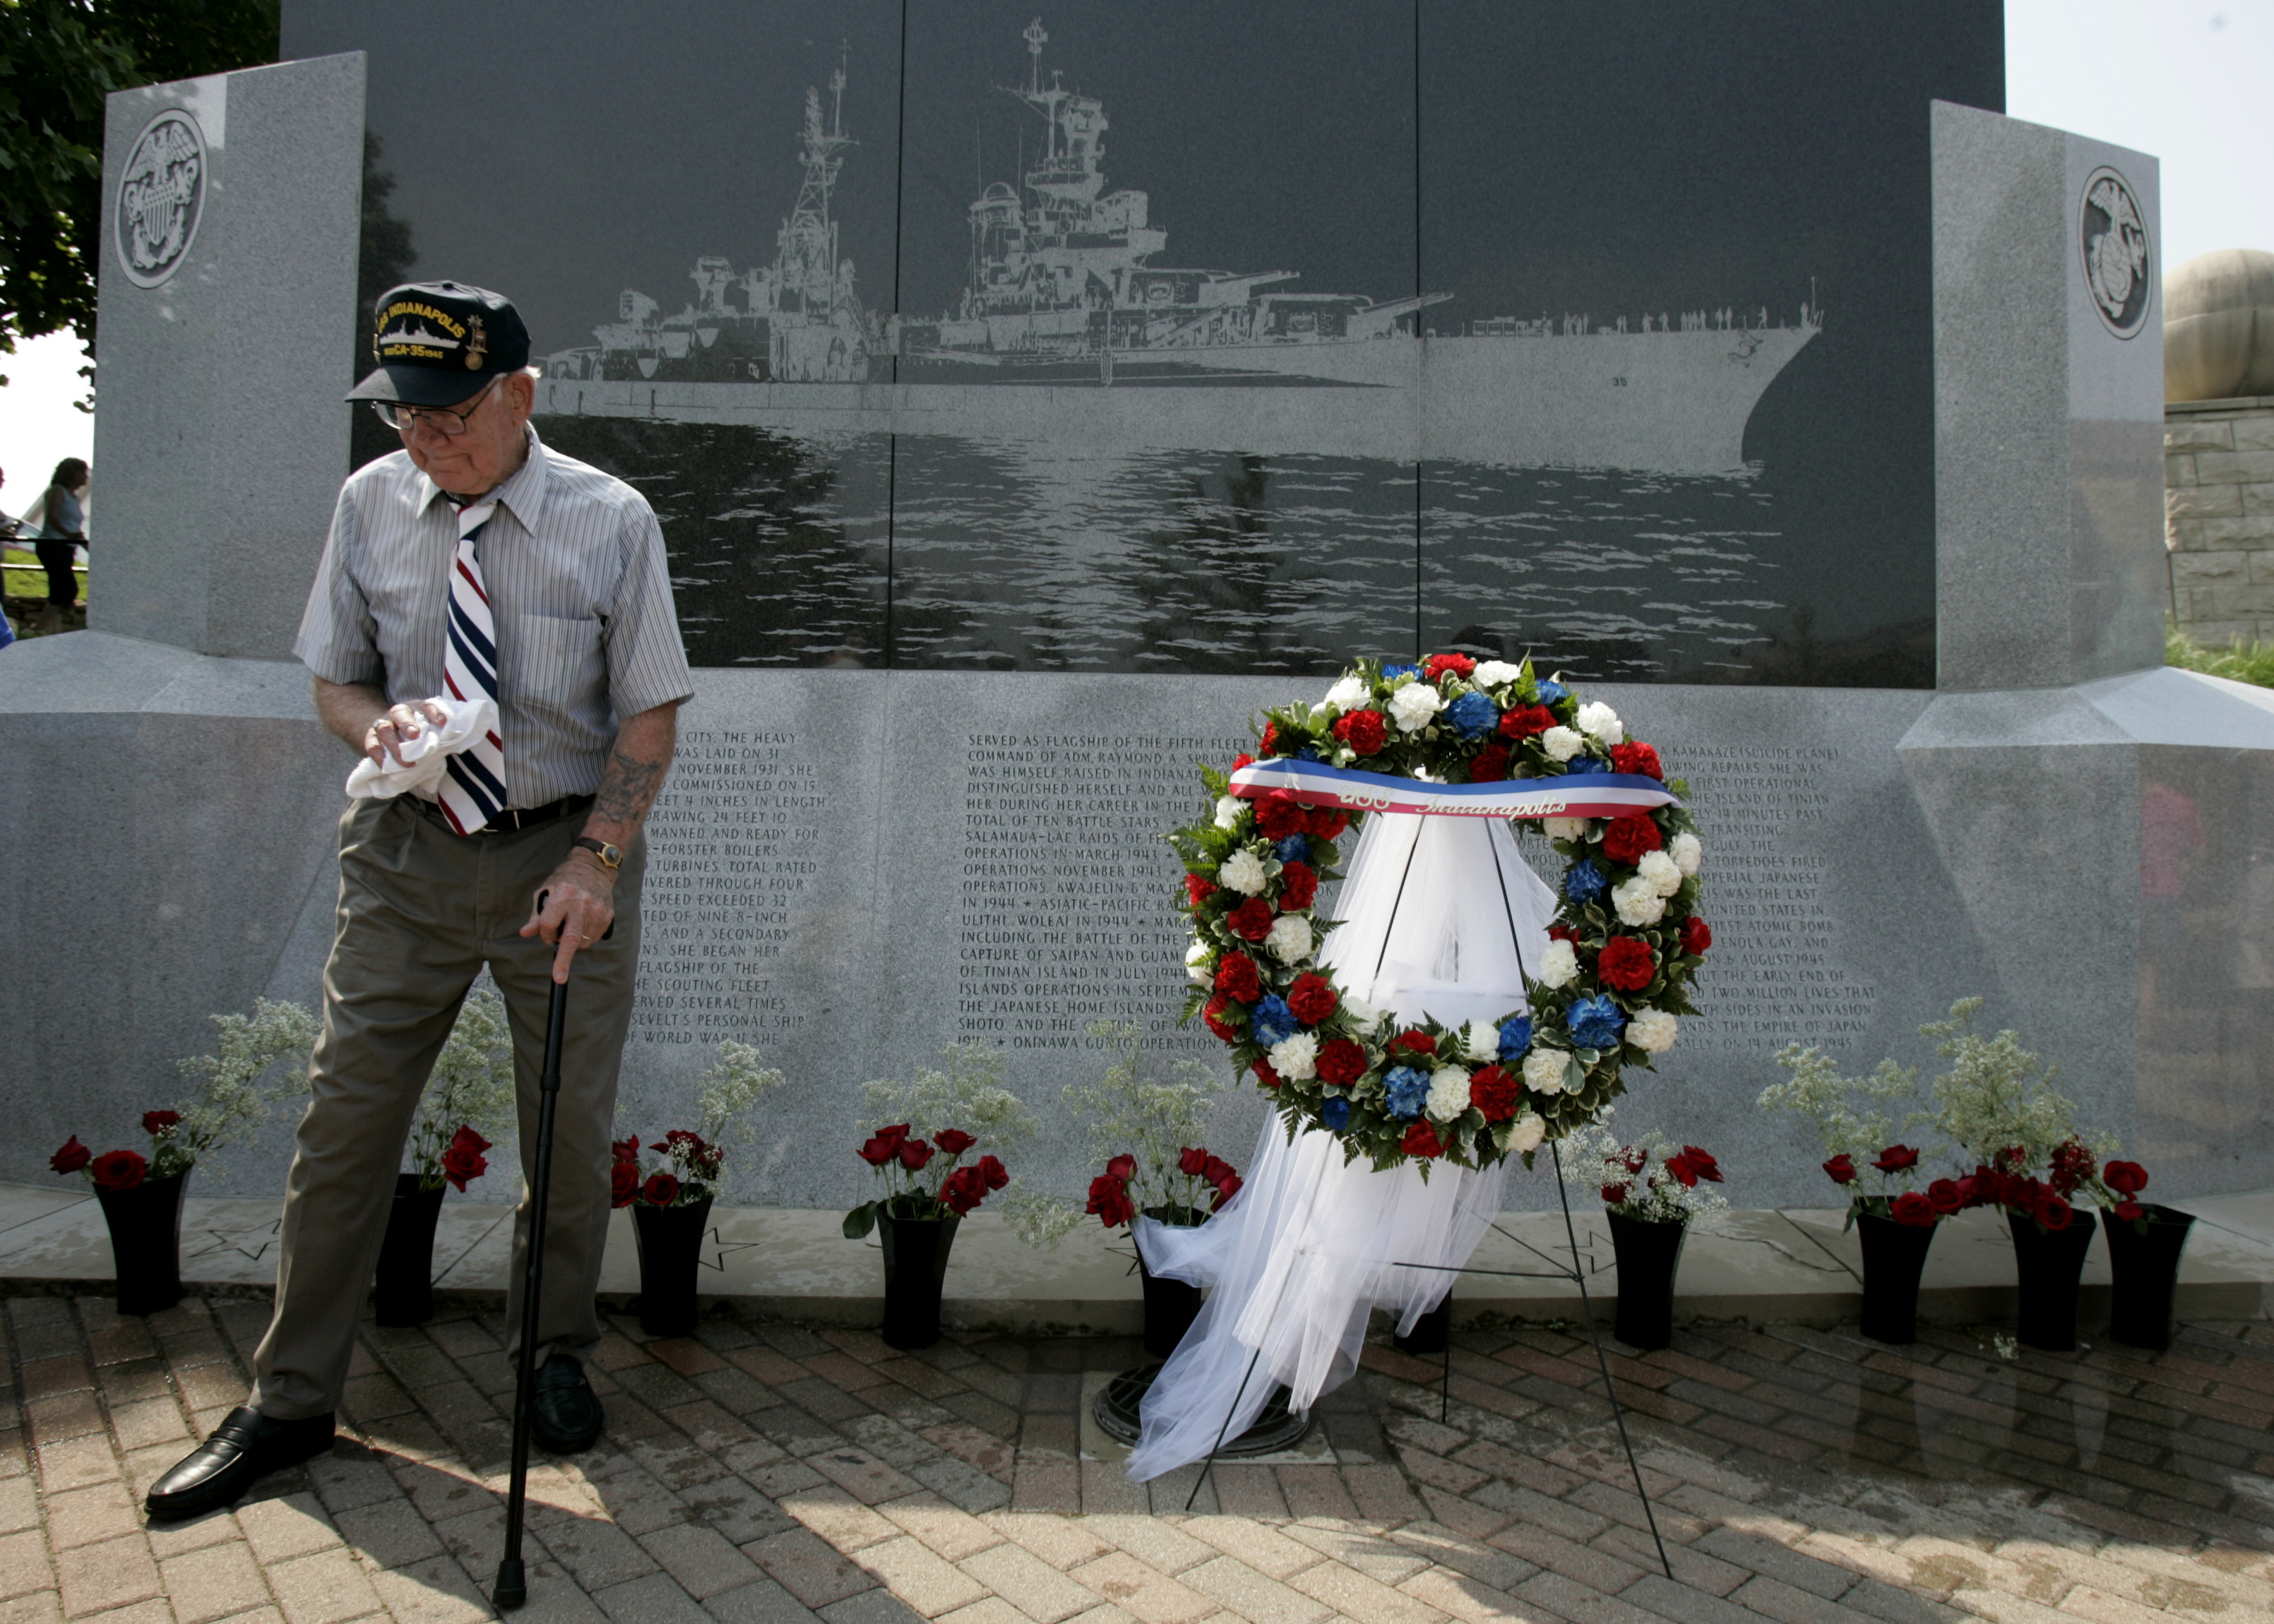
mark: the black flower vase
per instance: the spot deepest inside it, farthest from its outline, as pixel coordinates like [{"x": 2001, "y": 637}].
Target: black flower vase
[
  {"x": 1431, "y": 1331},
  {"x": 145, "y": 1241},
  {"x": 2143, "y": 1272},
  {"x": 1648, "y": 1254},
  {"x": 916, "y": 1268},
  {"x": 405, "y": 1294},
  {"x": 670, "y": 1255},
  {"x": 1894, "y": 1255},
  {"x": 2047, "y": 1264},
  {"x": 1171, "y": 1306}
]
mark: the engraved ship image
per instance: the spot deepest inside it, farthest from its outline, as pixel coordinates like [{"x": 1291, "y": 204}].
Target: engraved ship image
[{"x": 1067, "y": 336}]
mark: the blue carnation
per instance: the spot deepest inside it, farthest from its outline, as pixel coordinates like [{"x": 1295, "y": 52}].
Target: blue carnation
[
  {"x": 1294, "y": 848},
  {"x": 1390, "y": 673},
  {"x": 1586, "y": 882},
  {"x": 1594, "y": 1023},
  {"x": 1583, "y": 764},
  {"x": 1273, "y": 1021},
  {"x": 1514, "y": 1037},
  {"x": 1405, "y": 1091},
  {"x": 1473, "y": 714},
  {"x": 1550, "y": 691},
  {"x": 1336, "y": 1114}
]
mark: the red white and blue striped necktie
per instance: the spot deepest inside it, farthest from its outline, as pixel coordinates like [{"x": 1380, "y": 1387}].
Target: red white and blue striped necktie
[{"x": 473, "y": 790}]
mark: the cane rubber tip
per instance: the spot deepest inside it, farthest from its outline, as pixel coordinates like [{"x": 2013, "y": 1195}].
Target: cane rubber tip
[{"x": 512, "y": 1589}]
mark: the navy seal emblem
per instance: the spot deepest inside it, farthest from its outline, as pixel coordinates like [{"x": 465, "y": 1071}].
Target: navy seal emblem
[
  {"x": 162, "y": 195},
  {"x": 2113, "y": 234}
]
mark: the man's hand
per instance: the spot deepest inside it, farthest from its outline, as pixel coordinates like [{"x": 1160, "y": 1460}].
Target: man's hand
[
  {"x": 388, "y": 734},
  {"x": 573, "y": 909}
]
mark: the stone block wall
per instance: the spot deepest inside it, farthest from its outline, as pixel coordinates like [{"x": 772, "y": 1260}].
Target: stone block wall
[{"x": 2218, "y": 506}]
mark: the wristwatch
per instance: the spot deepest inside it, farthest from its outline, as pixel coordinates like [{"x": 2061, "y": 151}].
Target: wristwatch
[{"x": 612, "y": 857}]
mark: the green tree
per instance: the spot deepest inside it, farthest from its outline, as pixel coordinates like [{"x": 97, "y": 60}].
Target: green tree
[{"x": 58, "y": 60}]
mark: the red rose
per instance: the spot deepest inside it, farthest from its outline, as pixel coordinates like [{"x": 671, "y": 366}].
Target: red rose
[
  {"x": 1326, "y": 822},
  {"x": 117, "y": 1169},
  {"x": 1627, "y": 963},
  {"x": 1616, "y": 1195},
  {"x": 1216, "y": 1169},
  {"x": 914, "y": 1153},
  {"x": 898, "y": 1132},
  {"x": 1198, "y": 887},
  {"x": 461, "y": 1163},
  {"x": 1224, "y": 1192},
  {"x": 1684, "y": 1174},
  {"x": 1896, "y": 1158},
  {"x": 1634, "y": 757},
  {"x": 1312, "y": 998},
  {"x": 1697, "y": 935},
  {"x": 1708, "y": 1167},
  {"x": 623, "y": 1183},
  {"x": 1251, "y": 919},
  {"x": 661, "y": 1190},
  {"x": 1521, "y": 722},
  {"x": 72, "y": 1157},
  {"x": 2125, "y": 1177},
  {"x": 2072, "y": 1165},
  {"x": 2054, "y": 1213},
  {"x": 1265, "y": 1075},
  {"x": 1490, "y": 766},
  {"x": 1237, "y": 977},
  {"x": 2129, "y": 1211},
  {"x": 2023, "y": 1194},
  {"x": 1842, "y": 1168},
  {"x": 158, "y": 1123},
  {"x": 1269, "y": 745},
  {"x": 1437, "y": 664},
  {"x": 1912, "y": 1209},
  {"x": 991, "y": 1172},
  {"x": 1191, "y": 1162},
  {"x": 1627, "y": 837},
  {"x": 1945, "y": 1196},
  {"x": 1110, "y": 1202},
  {"x": 1364, "y": 731},
  {"x": 626, "y": 1150},
  {"x": 1494, "y": 1091},
  {"x": 1218, "y": 1008},
  {"x": 1420, "y": 1043},
  {"x": 1298, "y": 887},
  {"x": 1279, "y": 814},
  {"x": 954, "y": 1141},
  {"x": 1341, "y": 1062},
  {"x": 877, "y": 1152},
  {"x": 962, "y": 1190},
  {"x": 475, "y": 1142},
  {"x": 1122, "y": 1167},
  {"x": 1422, "y": 1141}
]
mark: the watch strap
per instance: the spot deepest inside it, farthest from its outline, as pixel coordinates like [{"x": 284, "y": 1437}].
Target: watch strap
[{"x": 611, "y": 857}]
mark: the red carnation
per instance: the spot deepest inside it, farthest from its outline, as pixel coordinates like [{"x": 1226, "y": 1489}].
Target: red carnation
[
  {"x": 1237, "y": 976},
  {"x": 1215, "y": 1014},
  {"x": 1312, "y": 998},
  {"x": 914, "y": 1153},
  {"x": 1198, "y": 887},
  {"x": 117, "y": 1169},
  {"x": 1341, "y": 1062},
  {"x": 1912, "y": 1210},
  {"x": 1298, "y": 887},
  {"x": 1896, "y": 1158},
  {"x": 1946, "y": 1196},
  {"x": 1279, "y": 814},
  {"x": 1270, "y": 741},
  {"x": 1251, "y": 919},
  {"x": 661, "y": 1190},
  {"x": 877, "y": 1152},
  {"x": 954, "y": 1141},
  {"x": 1494, "y": 1092},
  {"x": 1697, "y": 935},
  {"x": 1708, "y": 1167},
  {"x": 1364, "y": 731},
  {"x": 1122, "y": 1167},
  {"x": 991, "y": 1172},
  {"x": 1264, "y": 1074},
  {"x": 1110, "y": 1202},
  {"x": 1242, "y": 760},
  {"x": 1326, "y": 822},
  {"x": 2125, "y": 1177},
  {"x": 72, "y": 1157},
  {"x": 1437, "y": 664},
  {"x": 623, "y": 1183},
  {"x": 1192, "y": 1163},
  {"x": 1521, "y": 722},
  {"x": 1422, "y": 1141},
  {"x": 2054, "y": 1213},
  {"x": 1842, "y": 1168},
  {"x": 1627, "y": 837},
  {"x": 1420, "y": 1042},
  {"x": 1634, "y": 757},
  {"x": 1563, "y": 932},
  {"x": 158, "y": 1123},
  {"x": 1627, "y": 963},
  {"x": 1490, "y": 766}
]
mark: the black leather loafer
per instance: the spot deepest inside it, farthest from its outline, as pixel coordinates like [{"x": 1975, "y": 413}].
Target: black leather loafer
[
  {"x": 243, "y": 1449},
  {"x": 564, "y": 1412}
]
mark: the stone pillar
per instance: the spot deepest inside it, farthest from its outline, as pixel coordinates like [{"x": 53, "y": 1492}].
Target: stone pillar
[{"x": 2219, "y": 518}]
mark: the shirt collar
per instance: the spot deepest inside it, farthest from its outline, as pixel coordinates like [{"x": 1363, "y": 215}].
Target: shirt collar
[{"x": 523, "y": 495}]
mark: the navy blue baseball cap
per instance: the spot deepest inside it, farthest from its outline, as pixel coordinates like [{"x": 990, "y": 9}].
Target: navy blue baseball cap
[{"x": 439, "y": 342}]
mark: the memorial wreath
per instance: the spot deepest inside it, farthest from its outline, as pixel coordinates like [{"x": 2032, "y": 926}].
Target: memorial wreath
[{"x": 1450, "y": 736}]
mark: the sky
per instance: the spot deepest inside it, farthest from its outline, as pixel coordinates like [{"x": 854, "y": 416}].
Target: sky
[{"x": 2185, "y": 81}]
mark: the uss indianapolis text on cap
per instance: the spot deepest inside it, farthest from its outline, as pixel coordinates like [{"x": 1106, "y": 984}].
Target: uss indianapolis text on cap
[{"x": 437, "y": 343}]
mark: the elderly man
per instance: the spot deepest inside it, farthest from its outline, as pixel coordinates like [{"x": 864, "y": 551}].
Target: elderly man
[{"x": 472, "y": 564}]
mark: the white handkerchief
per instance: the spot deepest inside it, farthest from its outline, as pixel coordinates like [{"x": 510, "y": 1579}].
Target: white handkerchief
[{"x": 424, "y": 756}]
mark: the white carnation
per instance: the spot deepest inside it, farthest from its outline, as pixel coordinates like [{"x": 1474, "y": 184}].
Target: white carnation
[
  {"x": 1483, "y": 1041},
  {"x": 1562, "y": 743},
  {"x": 1448, "y": 1093},
  {"x": 1363, "y": 1016},
  {"x": 1524, "y": 1133},
  {"x": 1411, "y": 707},
  {"x": 1559, "y": 964},
  {"x": 1492, "y": 674},
  {"x": 1543, "y": 1070},
  {"x": 1656, "y": 867},
  {"x": 1653, "y": 1030},
  {"x": 1566, "y": 828},
  {"x": 1638, "y": 901},
  {"x": 1196, "y": 963},
  {"x": 1290, "y": 939},
  {"x": 1244, "y": 872},
  {"x": 1348, "y": 694},
  {"x": 1228, "y": 810},
  {"x": 1687, "y": 852},
  {"x": 1296, "y": 1058},
  {"x": 1600, "y": 720}
]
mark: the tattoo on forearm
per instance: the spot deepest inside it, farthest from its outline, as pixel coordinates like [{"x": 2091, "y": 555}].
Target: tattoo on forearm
[{"x": 629, "y": 786}]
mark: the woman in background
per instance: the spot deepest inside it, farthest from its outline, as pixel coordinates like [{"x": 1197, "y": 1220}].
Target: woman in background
[{"x": 62, "y": 532}]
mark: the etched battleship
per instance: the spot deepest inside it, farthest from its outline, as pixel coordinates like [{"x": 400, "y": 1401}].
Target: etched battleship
[{"x": 1067, "y": 334}]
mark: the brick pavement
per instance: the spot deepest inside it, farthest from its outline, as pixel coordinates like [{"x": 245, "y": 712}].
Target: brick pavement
[{"x": 770, "y": 1473}]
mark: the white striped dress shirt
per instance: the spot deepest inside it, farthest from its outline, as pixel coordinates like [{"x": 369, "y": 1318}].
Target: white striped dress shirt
[{"x": 579, "y": 589}]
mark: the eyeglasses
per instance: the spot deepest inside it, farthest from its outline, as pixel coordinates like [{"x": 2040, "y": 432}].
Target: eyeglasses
[{"x": 447, "y": 422}]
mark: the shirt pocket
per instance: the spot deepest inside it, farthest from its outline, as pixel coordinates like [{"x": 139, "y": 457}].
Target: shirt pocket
[{"x": 555, "y": 663}]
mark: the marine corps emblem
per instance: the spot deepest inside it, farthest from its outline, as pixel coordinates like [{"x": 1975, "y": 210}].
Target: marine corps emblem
[
  {"x": 161, "y": 194},
  {"x": 2114, "y": 235}
]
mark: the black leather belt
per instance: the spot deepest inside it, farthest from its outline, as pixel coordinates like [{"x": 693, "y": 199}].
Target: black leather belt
[{"x": 513, "y": 818}]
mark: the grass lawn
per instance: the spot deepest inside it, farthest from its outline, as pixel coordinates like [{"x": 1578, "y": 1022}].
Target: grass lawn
[{"x": 2238, "y": 662}]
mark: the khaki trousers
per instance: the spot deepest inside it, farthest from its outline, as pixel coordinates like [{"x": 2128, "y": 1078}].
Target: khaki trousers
[{"x": 421, "y": 912}]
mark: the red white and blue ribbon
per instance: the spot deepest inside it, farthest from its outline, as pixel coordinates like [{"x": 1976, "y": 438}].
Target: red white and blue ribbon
[{"x": 1315, "y": 783}]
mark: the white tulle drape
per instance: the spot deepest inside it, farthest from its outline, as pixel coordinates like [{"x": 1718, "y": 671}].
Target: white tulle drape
[{"x": 1440, "y": 919}]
